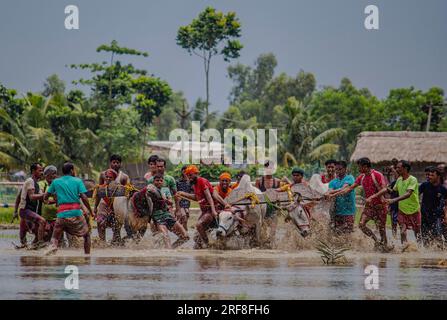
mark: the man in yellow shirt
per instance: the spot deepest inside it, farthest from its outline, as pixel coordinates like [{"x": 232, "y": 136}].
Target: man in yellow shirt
[{"x": 407, "y": 186}]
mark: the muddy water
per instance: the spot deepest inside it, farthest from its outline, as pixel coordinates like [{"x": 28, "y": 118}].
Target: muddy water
[{"x": 142, "y": 272}]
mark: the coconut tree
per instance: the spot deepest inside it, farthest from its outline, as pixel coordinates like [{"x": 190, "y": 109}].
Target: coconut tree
[{"x": 306, "y": 138}]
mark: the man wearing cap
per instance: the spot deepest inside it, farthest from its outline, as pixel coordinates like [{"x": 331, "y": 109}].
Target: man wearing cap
[{"x": 203, "y": 194}]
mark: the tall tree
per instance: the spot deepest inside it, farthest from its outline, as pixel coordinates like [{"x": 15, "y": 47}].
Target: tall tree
[
  {"x": 250, "y": 83},
  {"x": 115, "y": 84},
  {"x": 211, "y": 34}
]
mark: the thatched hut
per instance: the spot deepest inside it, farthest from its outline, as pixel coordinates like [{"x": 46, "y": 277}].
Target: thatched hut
[{"x": 422, "y": 149}]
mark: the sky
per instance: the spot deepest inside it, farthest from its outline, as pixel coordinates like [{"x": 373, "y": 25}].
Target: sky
[{"x": 325, "y": 37}]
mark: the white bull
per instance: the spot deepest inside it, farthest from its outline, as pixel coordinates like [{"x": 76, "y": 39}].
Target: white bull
[{"x": 246, "y": 219}]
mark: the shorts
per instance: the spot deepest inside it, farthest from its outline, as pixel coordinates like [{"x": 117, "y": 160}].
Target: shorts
[
  {"x": 164, "y": 218},
  {"x": 377, "y": 213},
  {"x": 344, "y": 223},
  {"x": 411, "y": 221},
  {"x": 75, "y": 226}
]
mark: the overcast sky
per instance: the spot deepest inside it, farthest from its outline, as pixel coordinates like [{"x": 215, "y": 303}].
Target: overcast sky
[{"x": 326, "y": 37}]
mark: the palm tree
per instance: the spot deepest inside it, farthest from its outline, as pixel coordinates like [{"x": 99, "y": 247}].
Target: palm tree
[{"x": 306, "y": 138}]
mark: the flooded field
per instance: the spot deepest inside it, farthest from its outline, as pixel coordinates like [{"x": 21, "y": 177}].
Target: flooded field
[{"x": 140, "y": 272}]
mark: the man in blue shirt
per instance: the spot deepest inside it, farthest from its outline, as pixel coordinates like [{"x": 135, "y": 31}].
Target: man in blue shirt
[
  {"x": 345, "y": 204},
  {"x": 69, "y": 190}
]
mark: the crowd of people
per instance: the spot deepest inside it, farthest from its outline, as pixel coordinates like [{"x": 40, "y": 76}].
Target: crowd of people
[{"x": 50, "y": 206}]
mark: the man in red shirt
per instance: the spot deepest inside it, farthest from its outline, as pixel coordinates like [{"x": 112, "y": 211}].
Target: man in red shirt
[
  {"x": 372, "y": 182},
  {"x": 203, "y": 194}
]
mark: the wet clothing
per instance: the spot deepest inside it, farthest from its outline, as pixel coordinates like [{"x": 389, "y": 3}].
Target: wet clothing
[
  {"x": 67, "y": 190},
  {"x": 185, "y": 186},
  {"x": 25, "y": 201},
  {"x": 411, "y": 221},
  {"x": 377, "y": 213},
  {"x": 164, "y": 218},
  {"x": 75, "y": 226},
  {"x": 410, "y": 205},
  {"x": 394, "y": 207},
  {"x": 161, "y": 213},
  {"x": 371, "y": 184},
  {"x": 344, "y": 223},
  {"x": 345, "y": 204},
  {"x": 199, "y": 188}
]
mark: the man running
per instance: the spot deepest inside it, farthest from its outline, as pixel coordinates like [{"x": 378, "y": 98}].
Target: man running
[
  {"x": 345, "y": 204},
  {"x": 409, "y": 216},
  {"x": 104, "y": 207},
  {"x": 164, "y": 220},
  {"x": 28, "y": 208},
  {"x": 203, "y": 194},
  {"x": 69, "y": 190},
  {"x": 183, "y": 184},
  {"x": 372, "y": 181}
]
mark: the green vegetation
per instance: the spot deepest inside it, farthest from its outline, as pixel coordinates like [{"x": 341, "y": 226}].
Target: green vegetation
[{"x": 6, "y": 216}]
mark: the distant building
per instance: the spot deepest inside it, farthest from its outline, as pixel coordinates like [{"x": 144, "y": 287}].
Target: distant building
[
  {"x": 163, "y": 148},
  {"x": 422, "y": 149}
]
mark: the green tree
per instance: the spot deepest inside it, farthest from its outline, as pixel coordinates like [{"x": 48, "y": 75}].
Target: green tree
[
  {"x": 306, "y": 138},
  {"x": 53, "y": 85},
  {"x": 121, "y": 85},
  {"x": 347, "y": 107},
  {"x": 250, "y": 83},
  {"x": 211, "y": 34}
]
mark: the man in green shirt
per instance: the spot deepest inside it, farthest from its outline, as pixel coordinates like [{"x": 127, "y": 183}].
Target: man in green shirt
[
  {"x": 69, "y": 190},
  {"x": 409, "y": 216},
  {"x": 169, "y": 187},
  {"x": 162, "y": 217}
]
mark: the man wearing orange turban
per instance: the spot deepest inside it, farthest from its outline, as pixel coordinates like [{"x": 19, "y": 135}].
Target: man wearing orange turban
[
  {"x": 203, "y": 194},
  {"x": 224, "y": 188}
]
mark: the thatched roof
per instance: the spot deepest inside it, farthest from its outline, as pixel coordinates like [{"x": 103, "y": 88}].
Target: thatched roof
[{"x": 383, "y": 146}]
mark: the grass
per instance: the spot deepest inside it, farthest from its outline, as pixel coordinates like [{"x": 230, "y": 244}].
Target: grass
[{"x": 6, "y": 216}]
